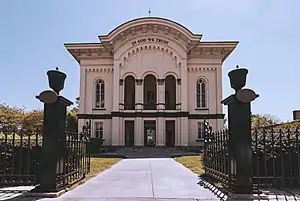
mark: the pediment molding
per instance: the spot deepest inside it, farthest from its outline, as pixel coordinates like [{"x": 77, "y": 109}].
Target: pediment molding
[
  {"x": 155, "y": 36},
  {"x": 142, "y": 26},
  {"x": 140, "y": 49},
  {"x": 214, "y": 52}
]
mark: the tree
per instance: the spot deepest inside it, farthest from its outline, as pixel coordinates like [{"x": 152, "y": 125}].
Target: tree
[
  {"x": 18, "y": 118},
  {"x": 71, "y": 119},
  {"x": 10, "y": 116},
  {"x": 33, "y": 120},
  {"x": 261, "y": 120}
]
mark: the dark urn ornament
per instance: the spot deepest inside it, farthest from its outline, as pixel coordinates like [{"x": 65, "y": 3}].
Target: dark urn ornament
[
  {"x": 238, "y": 78},
  {"x": 56, "y": 80}
]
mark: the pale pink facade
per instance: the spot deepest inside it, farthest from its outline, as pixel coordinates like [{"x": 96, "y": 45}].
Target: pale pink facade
[{"x": 172, "y": 81}]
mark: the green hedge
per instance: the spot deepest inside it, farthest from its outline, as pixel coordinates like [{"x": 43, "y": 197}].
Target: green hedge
[{"x": 95, "y": 145}]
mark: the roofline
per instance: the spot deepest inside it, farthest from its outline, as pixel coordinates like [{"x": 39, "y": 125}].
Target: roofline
[
  {"x": 82, "y": 45},
  {"x": 143, "y": 18},
  {"x": 139, "y": 21},
  {"x": 210, "y": 43}
]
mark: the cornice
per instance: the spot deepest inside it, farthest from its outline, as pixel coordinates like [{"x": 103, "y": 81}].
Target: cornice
[
  {"x": 212, "y": 52},
  {"x": 114, "y": 41},
  {"x": 88, "y": 52},
  {"x": 108, "y": 70},
  {"x": 150, "y": 23},
  {"x": 201, "y": 69}
]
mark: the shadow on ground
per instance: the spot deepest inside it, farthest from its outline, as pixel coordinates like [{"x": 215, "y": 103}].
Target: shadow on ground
[
  {"x": 17, "y": 193},
  {"x": 264, "y": 194}
]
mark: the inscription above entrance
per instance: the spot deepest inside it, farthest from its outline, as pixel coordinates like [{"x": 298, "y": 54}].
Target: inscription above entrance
[{"x": 155, "y": 40}]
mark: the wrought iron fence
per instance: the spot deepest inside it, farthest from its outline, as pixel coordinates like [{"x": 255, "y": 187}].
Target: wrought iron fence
[
  {"x": 216, "y": 155},
  {"x": 75, "y": 159},
  {"x": 20, "y": 151},
  {"x": 276, "y": 156}
]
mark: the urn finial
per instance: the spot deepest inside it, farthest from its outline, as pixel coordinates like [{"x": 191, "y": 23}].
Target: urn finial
[
  {"x": 238, "y": 78},
  {"x": 56, "y": 80}
]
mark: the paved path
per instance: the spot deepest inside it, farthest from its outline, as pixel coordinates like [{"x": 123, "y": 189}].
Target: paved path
[{"x": 141, "y": 180}]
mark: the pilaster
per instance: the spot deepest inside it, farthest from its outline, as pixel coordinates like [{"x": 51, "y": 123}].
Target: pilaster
[
  {"x": 184, "y": 131},
  {"x": 183, "y": 74},
  {"x": 178, "y": 132},
  {"x": 219, "y": 90},
  {"x": 139, "y": 94},
  {"x": 115, "y": 134},
  {"x": 160, "y": 135},
  {"x": 121, "y": 132},
  {"x": 138, "y": 133},
  {"x": 121, "y": 94},
  {"x": 116, "y": 86},
  {"x": 178, "y": 94},
  {"x": 161, "y": 95},
  {"x": 82, "y": 90}
]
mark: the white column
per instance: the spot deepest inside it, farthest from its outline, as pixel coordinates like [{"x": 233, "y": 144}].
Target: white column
[
  {"x": 219, "y": 90},
  {"x": 138, "y": 132},
  {"x": 115, "y": 134},
  {"x": 178, "y": 132},
  {"x": 160, "y": 135},
  {"x": 121, "y": 94},
  {"x": 116, "y": 86},
  {"x": 183, "y": 74},
  {"x": 139, "y": 95},
  {"x": 121, "y": 132},
  {"x": 82, "y": 90},
  {"x": 184, "y": 131},
  {"x": 178, "y": 94},
  {"x": 160, "y": 94},
  {"x": 219, "y": 110}
]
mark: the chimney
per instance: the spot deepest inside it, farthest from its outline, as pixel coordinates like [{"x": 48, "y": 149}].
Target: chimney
[{"x": 296, "y": 115}]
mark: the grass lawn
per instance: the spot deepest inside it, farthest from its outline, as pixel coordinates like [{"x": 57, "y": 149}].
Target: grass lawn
[
  {"x": 194, "y": 163},
  {"x": 97, "y": 165}
]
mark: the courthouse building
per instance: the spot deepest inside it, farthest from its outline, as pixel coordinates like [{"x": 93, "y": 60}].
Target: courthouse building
[{"x": 151, "y": 82}]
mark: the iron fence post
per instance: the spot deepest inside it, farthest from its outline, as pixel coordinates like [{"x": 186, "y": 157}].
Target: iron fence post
[
  {"x": 239, "y": 125},
  {"x": 54, "y": 142}
]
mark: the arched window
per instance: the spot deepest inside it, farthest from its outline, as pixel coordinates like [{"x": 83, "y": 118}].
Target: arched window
[
  {"x": 201, "y": 93},
  {"x": 99, "y": 94}
]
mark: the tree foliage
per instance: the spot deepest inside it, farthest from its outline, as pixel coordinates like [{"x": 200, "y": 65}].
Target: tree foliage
[
  {"x": 263, "y": 120},
  {"x": 15, "y": 117},
  {"x": 72, "y": 117},
  {"x": 19, "y": 118}
]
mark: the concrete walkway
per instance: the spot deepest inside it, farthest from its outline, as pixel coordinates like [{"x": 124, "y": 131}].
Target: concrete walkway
[{"x": 141, "y": 180}]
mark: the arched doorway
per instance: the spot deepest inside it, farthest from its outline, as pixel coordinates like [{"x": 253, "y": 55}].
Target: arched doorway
[
  {"x": 170, "y": 93},
  {"x": 129, "y": 93},
  {"x": 150, "y": 97}
]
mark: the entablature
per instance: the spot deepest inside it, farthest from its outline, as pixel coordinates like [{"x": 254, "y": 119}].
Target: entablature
[
  {"x": 213, "y": 50},
  {"x": 86, "y": 51}
]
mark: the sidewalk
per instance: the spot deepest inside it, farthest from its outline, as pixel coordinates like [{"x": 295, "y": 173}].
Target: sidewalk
[{"x": 142, "y": 179}]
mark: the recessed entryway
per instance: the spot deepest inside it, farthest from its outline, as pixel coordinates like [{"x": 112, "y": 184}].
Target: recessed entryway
[
  {"x": 129, "y": 133},
  {"x": 170, "y": 133},
  {"x": 149, "y": 133}
]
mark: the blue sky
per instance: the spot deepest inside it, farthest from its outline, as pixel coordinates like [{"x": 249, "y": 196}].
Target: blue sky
[{"x": 32, "y": 34}]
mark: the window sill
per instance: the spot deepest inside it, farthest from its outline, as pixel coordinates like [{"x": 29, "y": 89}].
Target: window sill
[
  {"x": 99, "y": 109},
  {"x": 199, "y": 140},
  {"x": 201, "y": 109}
]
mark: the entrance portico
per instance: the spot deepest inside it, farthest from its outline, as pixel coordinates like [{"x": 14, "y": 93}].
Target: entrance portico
[{"x": 151, "y": 82}]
